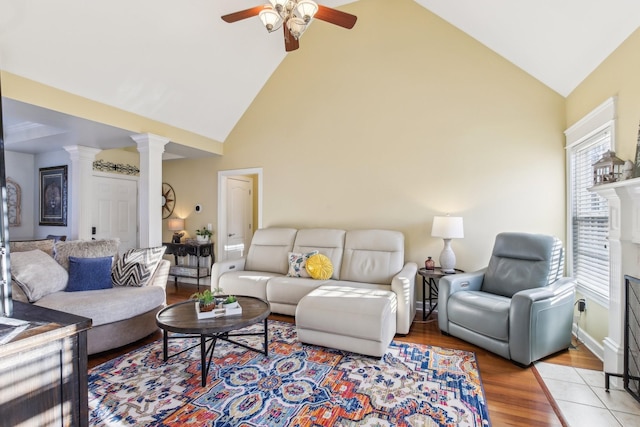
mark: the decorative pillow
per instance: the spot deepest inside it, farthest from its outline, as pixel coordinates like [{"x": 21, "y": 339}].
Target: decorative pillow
[
  {"x": 45, "y": 245},
  {"x": 136, "y": 266},
  {"x": 319, "y": 267},
  {"x": 297, "y": 264},
  {"x": 37, "y": 274},
  {"x": 89, "y": 274},
  {"x": 85, "y": 249}
]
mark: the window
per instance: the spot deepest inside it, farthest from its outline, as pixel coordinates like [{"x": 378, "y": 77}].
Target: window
[
  {"x": 588, "y": 257},
  {"x": 589, "y": 215}
]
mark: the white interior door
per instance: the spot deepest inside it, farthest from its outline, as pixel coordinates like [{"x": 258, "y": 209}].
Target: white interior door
[
  {"x": 115, "y": 210},
  {"x": 239, "y": 227}
]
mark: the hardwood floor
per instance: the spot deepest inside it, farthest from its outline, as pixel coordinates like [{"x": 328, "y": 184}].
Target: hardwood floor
[{"x": 515, "y": 396}]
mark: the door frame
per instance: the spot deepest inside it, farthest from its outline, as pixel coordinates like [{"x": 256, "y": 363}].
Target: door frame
[{"x": 223, "y": 176}]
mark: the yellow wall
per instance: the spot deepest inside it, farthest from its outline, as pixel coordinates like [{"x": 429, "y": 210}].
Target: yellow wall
[
  {"x": 386, "y": 125},
  {"x": 616, "y": 76}
]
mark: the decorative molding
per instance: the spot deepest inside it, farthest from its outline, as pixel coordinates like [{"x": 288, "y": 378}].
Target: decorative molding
[
  {"x": 122, "y": 168},
  {"x": 14, "y": 203}
]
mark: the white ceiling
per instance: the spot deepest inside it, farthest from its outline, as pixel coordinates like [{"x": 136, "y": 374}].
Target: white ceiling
[{"x": 178, "y": 63}]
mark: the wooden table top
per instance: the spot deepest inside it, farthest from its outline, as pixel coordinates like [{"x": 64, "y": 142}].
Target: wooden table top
[{"x": 182, "y": 318}]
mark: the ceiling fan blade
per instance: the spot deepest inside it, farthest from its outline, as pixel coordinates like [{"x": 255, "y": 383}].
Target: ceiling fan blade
[
  {"x": 242, "y": 14},
  {"x": 290, "y": 42},
  {"x": 337, "y": 17}
]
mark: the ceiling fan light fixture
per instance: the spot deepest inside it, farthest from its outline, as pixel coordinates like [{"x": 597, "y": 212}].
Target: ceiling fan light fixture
[
  {"x": 280, "y": 5},
  {"x": 270, "y": 19},
  {"x": 306, "y": 9},
  {"x": 296, "y": 27}
]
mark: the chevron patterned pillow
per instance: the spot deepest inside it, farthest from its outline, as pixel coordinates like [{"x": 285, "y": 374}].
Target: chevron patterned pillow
[{"x": 136, "y": 266}]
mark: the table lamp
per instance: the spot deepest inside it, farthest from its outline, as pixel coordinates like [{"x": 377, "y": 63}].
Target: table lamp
[
  {"x": 176, "y": 225},
  {"x": 447, "y": 227}
]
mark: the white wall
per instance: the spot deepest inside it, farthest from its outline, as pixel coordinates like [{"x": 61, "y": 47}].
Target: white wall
[{"x": 21, "y": 168}]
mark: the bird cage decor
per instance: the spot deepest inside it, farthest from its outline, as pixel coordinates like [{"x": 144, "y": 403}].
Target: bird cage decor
[{"x": 608, "y": 169}]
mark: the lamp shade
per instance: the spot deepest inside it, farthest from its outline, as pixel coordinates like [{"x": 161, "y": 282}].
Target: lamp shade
[
  {"x": 176, "y": 224},
  {"x": 447, "y": 227}
]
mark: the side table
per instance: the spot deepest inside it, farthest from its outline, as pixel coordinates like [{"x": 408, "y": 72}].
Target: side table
[
  {"x": 199, "y": 250},
  {"x": 430, "y": 278}
]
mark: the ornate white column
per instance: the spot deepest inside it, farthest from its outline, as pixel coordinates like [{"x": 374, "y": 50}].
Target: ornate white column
[
  {"x": 150, "y": 148},
  {"x": 624, "y": 248},
  {"x": 80, "y": 209}
]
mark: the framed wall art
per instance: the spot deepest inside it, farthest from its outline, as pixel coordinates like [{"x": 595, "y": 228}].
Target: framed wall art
[{"x": 53, "y": 196}]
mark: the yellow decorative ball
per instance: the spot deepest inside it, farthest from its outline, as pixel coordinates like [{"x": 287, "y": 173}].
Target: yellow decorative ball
[{"x": 319, "y": 267}]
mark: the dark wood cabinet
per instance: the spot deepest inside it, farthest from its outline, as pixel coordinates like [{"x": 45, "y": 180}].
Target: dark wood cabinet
[{"x": 43, "y": 371}]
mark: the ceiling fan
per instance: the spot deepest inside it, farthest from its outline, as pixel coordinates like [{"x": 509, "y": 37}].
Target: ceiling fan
[{"x": 294, "y": 16}]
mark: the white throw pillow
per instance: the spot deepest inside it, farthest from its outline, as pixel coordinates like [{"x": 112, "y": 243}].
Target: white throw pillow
[
  {"x": 37, "y": 274},
  {"x": 298, "y": 263},
  {"x": 136, "y": 266}
]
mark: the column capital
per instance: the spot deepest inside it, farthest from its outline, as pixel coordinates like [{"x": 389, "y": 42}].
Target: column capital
[
  {"x": 148, "y": 141},
  {"x": 77, "y": 152}
]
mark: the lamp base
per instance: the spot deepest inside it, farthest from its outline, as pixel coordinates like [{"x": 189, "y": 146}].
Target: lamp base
[
  {"x": 447, "y": 258},
  {"x": 177, "y": 237}
]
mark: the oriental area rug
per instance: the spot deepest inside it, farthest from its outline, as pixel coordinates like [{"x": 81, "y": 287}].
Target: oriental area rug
[{"x": 296, "y": 385}]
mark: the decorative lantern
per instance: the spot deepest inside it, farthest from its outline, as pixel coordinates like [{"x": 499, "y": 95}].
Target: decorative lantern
[{"x": 608, "y": 169}]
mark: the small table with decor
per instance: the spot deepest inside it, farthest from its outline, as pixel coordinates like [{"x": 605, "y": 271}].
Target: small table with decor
[
  {"x": 181, "y": 318},
  {"x": 430, "y": 278},
  {"x": 199, "y": 250}
]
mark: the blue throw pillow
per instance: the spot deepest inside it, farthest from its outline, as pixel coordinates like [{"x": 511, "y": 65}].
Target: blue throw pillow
[{"x": 89, "y": 274}]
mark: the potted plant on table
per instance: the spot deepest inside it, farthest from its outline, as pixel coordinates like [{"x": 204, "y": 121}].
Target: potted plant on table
[
  {"x": 230, "y": 302},
  {"x": 203, "y": 235},
  {"x": 206, "y": 300}
]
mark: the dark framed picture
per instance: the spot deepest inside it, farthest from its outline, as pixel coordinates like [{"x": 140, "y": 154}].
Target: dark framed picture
[{"x": 53, "y": 196}]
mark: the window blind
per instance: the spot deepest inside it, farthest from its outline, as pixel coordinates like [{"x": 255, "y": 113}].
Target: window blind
[{"x": 590, "y": 216}]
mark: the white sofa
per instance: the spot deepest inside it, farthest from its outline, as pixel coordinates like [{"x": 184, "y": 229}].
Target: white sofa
[
  {"x": 119, "y": 315},
  {"x": 362, "y": 259}
]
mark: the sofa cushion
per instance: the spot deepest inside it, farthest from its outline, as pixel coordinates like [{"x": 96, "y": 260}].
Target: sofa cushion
[
  {"x": 85, "y": 249},
  {"x": 298, "y": 263},
  {"x": 106, "y": 305},
  {"x": 319, "y": 267},
  {"x": 269, "y": 249},
  {"x": 522, "y": 261},
  {"x": 481, "y": 312},
  {"x": 372, "y": 256},
  {"x": 329, "y": 242},
  {"x": 89, "y": 274},
  {"x": 136, "y": 266},
  {"x": 289, "y": 290},
  {"x": 45, "y": 245},
  {"x": 37, "y": 274}
]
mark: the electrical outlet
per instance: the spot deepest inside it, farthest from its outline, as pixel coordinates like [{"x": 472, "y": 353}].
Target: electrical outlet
[{"x": 582, "y": 305}]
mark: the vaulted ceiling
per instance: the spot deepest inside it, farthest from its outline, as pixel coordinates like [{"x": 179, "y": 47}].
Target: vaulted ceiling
[{"x": 178, "y": 63}]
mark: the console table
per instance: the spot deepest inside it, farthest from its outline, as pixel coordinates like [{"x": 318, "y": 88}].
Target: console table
[{"x": 199, "y": 250}]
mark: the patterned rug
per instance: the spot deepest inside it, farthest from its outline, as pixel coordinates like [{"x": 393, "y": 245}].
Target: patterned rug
[{"x": 297, "y": 385}]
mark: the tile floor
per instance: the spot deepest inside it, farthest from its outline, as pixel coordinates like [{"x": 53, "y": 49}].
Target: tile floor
[{"x": 582, "y": 400}]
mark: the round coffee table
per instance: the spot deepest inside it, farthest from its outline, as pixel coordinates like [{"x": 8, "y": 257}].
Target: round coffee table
[{"x": 181, "y": 318}]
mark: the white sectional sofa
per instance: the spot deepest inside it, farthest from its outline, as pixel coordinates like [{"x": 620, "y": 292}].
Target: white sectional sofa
[{"x": 365, "y": 262}]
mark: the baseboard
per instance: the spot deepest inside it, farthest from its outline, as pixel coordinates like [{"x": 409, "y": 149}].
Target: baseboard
[{"x": 592, "y": 344}]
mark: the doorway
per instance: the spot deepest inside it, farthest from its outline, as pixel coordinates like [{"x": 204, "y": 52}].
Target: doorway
[
  {"x": 114, "y": 212},
  {"x": 239, "y": 211}
]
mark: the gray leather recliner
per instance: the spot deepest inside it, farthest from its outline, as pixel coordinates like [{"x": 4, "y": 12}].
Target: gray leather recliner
[{"x": 519, "y": 307}]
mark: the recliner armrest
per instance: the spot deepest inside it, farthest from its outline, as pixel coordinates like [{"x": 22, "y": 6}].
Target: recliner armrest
[
  {"x": 403, "y": 285},
  {"x": 222, "y": 267},
  {"x": 558, "y": 288}
]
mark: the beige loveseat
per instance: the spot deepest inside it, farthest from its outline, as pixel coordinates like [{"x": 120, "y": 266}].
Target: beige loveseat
[
  {"x": 362, "y": 259},
  {"x": 120, "y": 315}
]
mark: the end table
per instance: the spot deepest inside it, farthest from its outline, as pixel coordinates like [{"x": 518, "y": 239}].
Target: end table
[{"x": 430, "y": 278}]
